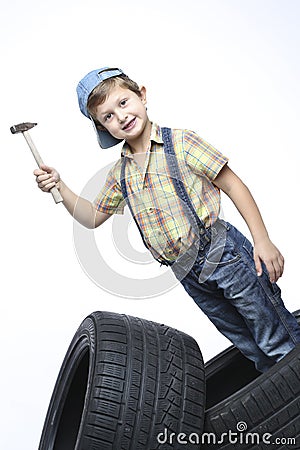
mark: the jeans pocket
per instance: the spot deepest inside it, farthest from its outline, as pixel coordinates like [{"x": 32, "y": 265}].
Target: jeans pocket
[
  {"x": 248, "y": 247},
  {"x": 222, "y": 253},
  {"x": 248, "y": 255}
]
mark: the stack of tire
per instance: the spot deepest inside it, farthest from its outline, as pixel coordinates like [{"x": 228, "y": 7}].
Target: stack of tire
[{"x": 130, "y": 384}]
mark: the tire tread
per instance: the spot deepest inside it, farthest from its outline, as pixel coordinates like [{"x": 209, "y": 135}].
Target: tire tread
[
  {"x": 270, "y": 404},
  {"x": 143, "y": 378}
]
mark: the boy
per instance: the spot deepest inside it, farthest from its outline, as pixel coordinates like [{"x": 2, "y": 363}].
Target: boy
[{"x": 171, "y": 181}]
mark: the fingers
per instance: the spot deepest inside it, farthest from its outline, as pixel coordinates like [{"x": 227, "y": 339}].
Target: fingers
[
  {"x": 43, "y": 169},
  {"x": 278, "y": 268},
  {"x": 266, "y": 253},
  {"x": 45, "y": 182},
  {"x": 258, "y": 265},
  {"x": 276, "y": 271},
  {"x": 272, "y": 272},
  {"x": 46, "y": 177},
  {"x": 47, "y": 169},
  {"x": 274, "y": 267}
]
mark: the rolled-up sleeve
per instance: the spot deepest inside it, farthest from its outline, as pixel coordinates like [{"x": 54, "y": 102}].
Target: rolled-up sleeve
[
  {"x": 110, "y": 199},
  {"x": 202, "y": 157}
]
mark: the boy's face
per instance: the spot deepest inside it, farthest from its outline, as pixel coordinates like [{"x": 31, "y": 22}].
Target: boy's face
[{"x": 124, "y": 113}]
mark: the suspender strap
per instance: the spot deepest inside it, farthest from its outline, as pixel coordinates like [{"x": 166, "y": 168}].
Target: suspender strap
[{"x": 176, "y": 177}]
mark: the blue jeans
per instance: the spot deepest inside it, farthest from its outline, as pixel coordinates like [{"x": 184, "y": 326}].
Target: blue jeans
[{"x": 246, "y": 308}]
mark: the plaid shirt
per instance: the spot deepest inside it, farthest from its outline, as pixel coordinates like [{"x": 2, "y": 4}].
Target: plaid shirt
[{"x": 158, "y": 210}]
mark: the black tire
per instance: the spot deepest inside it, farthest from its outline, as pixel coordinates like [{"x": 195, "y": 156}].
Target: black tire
[
  {"x": 264, "y": 414},
  {"x": 228, "y": 372},
  {"x": 123, "y": 381},
  {"x": 241, "y": 400}
]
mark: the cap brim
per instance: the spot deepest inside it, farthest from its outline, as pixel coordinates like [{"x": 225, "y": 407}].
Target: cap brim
[{"x": 105, "y": 139}]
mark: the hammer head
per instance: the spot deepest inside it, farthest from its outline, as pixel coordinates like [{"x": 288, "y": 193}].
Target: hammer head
[{"x": 21, "y": 127}]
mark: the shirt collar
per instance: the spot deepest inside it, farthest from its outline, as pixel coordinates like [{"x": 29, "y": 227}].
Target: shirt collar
[{"x": 155, "y": 136}]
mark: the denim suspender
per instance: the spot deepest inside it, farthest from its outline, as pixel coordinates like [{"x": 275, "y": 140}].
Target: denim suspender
[
  {"x": 176, "y": 177},
  {"x": 177, "y": 183}
]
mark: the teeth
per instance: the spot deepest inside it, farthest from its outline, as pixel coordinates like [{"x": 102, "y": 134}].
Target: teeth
[{"x": 129, "y": 124}]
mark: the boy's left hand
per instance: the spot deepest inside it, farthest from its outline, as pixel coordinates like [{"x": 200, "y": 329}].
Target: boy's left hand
[{"x": 266, "y": 252}]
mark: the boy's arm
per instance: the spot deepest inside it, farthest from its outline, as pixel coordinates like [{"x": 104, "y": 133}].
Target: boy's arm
[
  {"x": 81, "y": 209},
  {"x": 264, "y": 249}
]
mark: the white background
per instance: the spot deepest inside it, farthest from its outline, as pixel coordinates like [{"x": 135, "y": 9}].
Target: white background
[{"x": 228, "y": 69}]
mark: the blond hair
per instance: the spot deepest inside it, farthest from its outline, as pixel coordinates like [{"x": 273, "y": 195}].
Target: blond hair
[{"x": 100, "y": 93}]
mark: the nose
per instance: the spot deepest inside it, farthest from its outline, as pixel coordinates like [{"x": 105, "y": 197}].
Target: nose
[{"x": 121, "y": 116}]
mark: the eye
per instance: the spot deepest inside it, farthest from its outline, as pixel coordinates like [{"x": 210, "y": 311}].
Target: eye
[
  {"x": 108, "y": 117},
  {"x": 123, "y": 102}
]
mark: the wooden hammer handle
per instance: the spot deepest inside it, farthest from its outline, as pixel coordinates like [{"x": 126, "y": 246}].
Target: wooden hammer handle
[{"x": 54, "y": 191}]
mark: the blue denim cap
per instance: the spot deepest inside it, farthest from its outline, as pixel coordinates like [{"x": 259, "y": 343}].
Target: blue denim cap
[{"x": 84, "y": 88}]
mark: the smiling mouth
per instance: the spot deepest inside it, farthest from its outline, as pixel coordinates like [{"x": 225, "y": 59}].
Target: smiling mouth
[{"x": 129, "y": 125}]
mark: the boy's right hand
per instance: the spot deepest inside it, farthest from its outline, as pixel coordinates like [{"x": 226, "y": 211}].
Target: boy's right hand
[{"x": 46, "y": 178}]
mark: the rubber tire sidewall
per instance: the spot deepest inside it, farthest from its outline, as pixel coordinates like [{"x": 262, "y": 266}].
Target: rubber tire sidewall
[{"x": 179, "y": 387}]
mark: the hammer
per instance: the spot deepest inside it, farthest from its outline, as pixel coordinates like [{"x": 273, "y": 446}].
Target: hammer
[{"x": 23, "y": 128}]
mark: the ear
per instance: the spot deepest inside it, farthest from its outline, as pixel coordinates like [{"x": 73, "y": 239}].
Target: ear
[
  {"x": 99, "y": 126},
  {"x": 143, "y": 94}
]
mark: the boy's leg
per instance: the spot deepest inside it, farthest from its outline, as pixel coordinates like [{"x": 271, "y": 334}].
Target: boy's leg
[
  {"x": 226, "y": 319},
  {"x": 246, "y": 308},
  {"x": 259, "y": 301}
]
